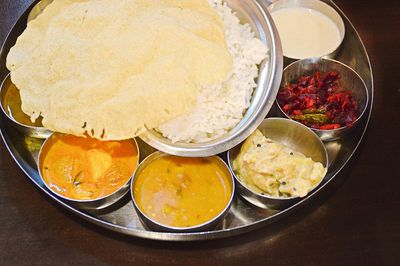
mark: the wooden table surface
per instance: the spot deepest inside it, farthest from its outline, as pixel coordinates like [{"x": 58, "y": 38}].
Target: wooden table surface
[{"x": 357, "y": 223}]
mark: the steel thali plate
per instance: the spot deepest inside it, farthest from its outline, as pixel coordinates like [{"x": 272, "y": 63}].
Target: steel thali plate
[{"x": 242, "y": 217}]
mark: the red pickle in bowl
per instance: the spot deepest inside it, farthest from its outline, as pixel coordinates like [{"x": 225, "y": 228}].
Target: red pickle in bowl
[{"x": 318, "y": 101}]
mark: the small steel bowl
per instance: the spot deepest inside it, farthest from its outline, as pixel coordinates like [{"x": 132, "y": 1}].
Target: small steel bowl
[
  {"x": 292, "y": 134},
  {"x": 93, "y": 204},
  {"x": 349, "y": 79},
  {"x": 318, "y": 6},
  {"x": 253, "y": 13},
  {"x": 156, "y": 226},
  {"x": 30, "y": 131}
]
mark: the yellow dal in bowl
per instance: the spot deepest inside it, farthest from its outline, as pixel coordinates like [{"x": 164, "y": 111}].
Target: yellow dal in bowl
[{"x": 183, "y": 192}]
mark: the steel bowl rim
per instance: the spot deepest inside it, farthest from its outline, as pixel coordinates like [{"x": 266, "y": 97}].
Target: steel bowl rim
[
  {"x": 76, "y": 201},
  {"x": 267, "y": 197},
  {"x": 346, "y": 67},
  {"x": 157, "y": 154}
]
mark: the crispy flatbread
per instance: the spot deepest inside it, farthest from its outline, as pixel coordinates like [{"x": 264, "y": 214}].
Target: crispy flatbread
[{"x": 111, "y": 68}]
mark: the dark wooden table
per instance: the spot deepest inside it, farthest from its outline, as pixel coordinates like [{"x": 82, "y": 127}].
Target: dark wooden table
[{"x": 356, "y": 223}]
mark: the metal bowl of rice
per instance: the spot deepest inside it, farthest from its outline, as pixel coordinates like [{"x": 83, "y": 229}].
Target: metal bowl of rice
[{"x": 215, "y": 128}]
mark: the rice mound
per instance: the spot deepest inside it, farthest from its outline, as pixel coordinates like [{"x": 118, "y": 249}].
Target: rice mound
[{"x": 220, "y": 107}]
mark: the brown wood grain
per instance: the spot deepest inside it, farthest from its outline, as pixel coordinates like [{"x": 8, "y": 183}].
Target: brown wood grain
[{"x": 357, "y": 223}]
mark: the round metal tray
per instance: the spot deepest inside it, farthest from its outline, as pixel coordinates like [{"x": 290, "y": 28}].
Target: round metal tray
[{"x": 242, "y": 216}]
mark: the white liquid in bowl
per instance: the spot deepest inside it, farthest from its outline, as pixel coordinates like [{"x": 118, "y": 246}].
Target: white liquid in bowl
[{"x": 305, "y": 32}]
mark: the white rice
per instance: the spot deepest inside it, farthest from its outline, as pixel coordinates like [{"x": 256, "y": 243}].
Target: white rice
[{"x": 221, "y": 107}]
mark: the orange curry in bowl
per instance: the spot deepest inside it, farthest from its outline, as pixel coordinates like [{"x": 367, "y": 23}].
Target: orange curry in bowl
[{"x": 81, "y": 168}]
